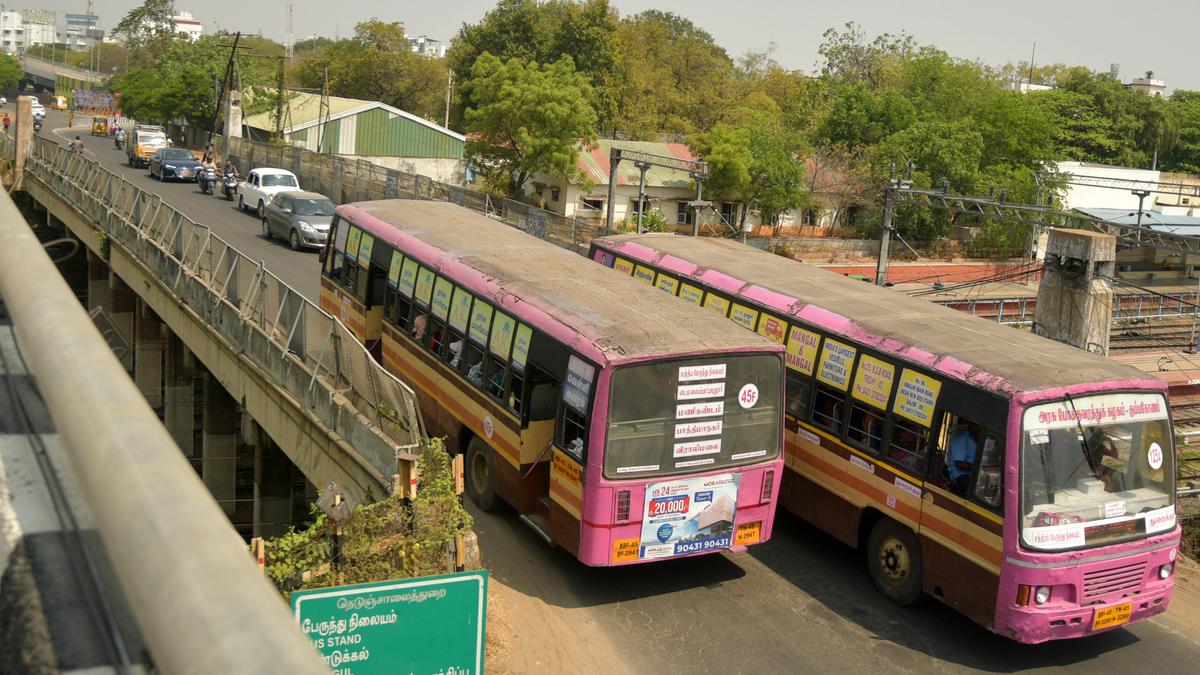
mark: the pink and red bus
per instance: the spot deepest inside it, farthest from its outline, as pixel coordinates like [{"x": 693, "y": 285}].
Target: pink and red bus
[
  {"x": 619, "y": 424},
  {"x": 1024, "y": 482}
]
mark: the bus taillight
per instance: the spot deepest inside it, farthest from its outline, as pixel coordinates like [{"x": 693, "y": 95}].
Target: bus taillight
[
  {"x": 623, "y": 499},
  {"x": 768, "y": 484}
]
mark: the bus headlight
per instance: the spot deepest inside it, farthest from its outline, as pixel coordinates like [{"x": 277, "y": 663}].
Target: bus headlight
[
  {"x": 1042, "y": 595},
  {"x": 1165, "y": 570}
]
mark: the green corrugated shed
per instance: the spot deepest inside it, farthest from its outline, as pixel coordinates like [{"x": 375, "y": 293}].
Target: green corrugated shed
[
  {"x": 329, "y": 138},
  {"x": 379, "y": 133}
]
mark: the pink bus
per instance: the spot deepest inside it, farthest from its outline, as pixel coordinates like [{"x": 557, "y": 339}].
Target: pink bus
[
  {"x": 1024, "y": 482},
  {"x": 619, "y": 424}
]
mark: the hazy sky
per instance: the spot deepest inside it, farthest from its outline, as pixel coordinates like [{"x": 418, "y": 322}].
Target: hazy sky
[{"x": 1148, "y": 35}]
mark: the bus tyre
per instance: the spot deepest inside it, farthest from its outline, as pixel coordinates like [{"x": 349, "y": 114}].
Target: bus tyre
[
  {"x": 481, "y": 475},
  {"x": 894, "y": 559}
]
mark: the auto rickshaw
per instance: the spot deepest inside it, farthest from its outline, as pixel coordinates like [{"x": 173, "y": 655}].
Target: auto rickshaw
[
  {"x": 99, "y": 126},
  {"x": 60, "y": 103}
]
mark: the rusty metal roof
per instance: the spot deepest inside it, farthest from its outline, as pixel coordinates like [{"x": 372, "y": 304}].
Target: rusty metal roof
[{"x": 593, "y": 162}]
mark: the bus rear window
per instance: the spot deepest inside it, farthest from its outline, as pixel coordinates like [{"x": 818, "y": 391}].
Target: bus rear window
[{"x": 691, "y": 416}]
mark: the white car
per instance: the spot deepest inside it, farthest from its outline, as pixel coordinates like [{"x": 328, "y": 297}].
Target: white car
[
  {"x": 263, "y": 184},
  {"x": 37, "y": 107}
]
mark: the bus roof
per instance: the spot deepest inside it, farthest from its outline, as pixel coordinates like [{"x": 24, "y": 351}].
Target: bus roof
[
  {"x": 968, "y": 348},
  {"x": 570, "y": 296}
]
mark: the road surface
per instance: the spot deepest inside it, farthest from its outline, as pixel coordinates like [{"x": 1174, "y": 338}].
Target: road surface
[{"x": 800, "y": 603}]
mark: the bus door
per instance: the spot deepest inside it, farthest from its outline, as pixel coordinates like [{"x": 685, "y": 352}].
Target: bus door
[{"x": 537, "y": 438}]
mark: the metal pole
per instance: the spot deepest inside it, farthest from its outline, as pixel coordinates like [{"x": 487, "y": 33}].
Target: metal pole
[
  {"x": 885, "y": 234},
  {"x": 178, "y": 560},
  {"x": 1192, "y": 345},
  {"x": 696, "y": 208},
  {"x": 642, "y": 167},
  {"x": 614, "y": 158}
]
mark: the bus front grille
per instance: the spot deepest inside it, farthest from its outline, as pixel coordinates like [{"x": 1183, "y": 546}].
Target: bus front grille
[{"x": 1099, "y": 583}]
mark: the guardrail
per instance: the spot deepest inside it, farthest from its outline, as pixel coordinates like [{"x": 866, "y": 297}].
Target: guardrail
[
  {"x": 199, "y": 601},
  {"x": 309, "y": 353},
  {"x": 1020, "y": 310},
  {"x": 61, "y": 68}
]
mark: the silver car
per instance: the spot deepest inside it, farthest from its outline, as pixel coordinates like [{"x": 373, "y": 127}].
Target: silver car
[{"x": 302, "y": 218}]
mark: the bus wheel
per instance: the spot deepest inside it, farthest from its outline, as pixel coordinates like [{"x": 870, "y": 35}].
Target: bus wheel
[
  {"x": 481, "y": 475},
  {"x": 894, "y": 558}
]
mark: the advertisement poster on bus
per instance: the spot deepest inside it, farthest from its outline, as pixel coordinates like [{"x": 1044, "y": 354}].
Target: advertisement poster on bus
[{"x": 689, "y": 515}]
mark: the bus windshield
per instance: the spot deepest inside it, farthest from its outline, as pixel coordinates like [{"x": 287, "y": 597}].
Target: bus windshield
[
  {"x": 673, "y": 417},
  {"x": 1096, "y": 470}
]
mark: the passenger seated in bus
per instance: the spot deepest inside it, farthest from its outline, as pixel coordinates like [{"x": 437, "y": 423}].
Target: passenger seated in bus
[
  {"x": 907, "y": 449},
  {"x": 1102, "y": 448},
  {"x": 496, "y": 383},
  {"x": 961, "y": 457},
  {"x": 456, "y": 348},
  {"x": 420, "y": 324},
  {"x": 866, "y": 428},
  {"x": 475, "y": 373}
]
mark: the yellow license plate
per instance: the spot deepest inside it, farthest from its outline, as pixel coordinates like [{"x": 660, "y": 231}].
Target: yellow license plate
[
  {"x": 1116, "y": 615},
  {"x": 748, "y": 533}
]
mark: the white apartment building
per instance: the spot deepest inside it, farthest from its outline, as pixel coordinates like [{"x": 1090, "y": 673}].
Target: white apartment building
[
  {"x": 427, "y": 46},
  {"x": 22, "y": 29}
]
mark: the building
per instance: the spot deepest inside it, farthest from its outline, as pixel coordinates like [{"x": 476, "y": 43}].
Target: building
[
  {"x": 427, "y": 46},
  {"x": 82, "y": 31},
  {"x": 1090, "y": 190},
  {"x": 20, "y": 30},
  {"x": 368, "y": 130},
  {"x": 1185, "y": 198},
  {"x": 188, "y": 25},
  {"x": 1149, "y": 85}
]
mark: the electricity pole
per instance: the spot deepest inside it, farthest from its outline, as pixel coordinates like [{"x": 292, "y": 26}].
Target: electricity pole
[{"x": 885, "y": 234}]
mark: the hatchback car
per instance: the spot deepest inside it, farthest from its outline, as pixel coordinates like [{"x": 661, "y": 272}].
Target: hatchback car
[
  {"x": 175, "y": 163},
  {"x": 302, "y": 218}
]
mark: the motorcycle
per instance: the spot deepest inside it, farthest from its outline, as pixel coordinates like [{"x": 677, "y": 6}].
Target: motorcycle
[
  {"x": 207, "y": 179},
  {"x": 119, "y": 138},
  {"x": 229, "y": 186}
]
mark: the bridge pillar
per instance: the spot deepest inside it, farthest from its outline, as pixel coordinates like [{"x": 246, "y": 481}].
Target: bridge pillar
[
  {"x": 179, "y": 395},
  {"x": 124, "y": 310},
  {"x": 219, "y": 441},
  {"x": 148, "y": 354},
  {"x": 1075, "y": 295},
  {"x": 272, "y": 483},
  {"x": 99, "y": 292}
]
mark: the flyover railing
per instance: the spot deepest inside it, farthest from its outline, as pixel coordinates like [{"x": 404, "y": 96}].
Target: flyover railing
[
  {"x": 344, "y": 180},
  {"x": 1019, "y": 310},
  {"x": 303, "y": 349},
  {"x": 200, "y": 603}
]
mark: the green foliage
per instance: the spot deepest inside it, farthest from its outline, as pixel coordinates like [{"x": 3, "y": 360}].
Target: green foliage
[
  {"x": 377, "y": 65},
  {"x": 1185, "y": 154},
  {"x": 653, "y": 220},
  {"x": 147, "y": 31},
  {"x": 10, "y": 72},
  {"x": 858, "y": 116},
  {"x": 543, "y": 33},
  {"x": 527, "y": 118},
  {"x": 391, "y": 539}
]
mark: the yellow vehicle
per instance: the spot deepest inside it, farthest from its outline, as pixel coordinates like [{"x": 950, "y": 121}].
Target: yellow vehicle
[
  {"x": 99, "y": 126},
  {"x": 143, "y": 142},
  {"x": 60, "y": 103}
]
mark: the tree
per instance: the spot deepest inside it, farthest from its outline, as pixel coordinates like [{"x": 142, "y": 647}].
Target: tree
[
  {"x": 543, "y": 32},
  {"x": 146, "y": 30},
  {"x": 1184, "y": 155},
  {"x": 859, "y": 117},
  {"x": 10, "y": 72},
  {"x": 758, "y": 162},
  {"x": 377, "y": 65},
  {"x": 847, "y": 58},
  {"x": 527, "y": 118}
]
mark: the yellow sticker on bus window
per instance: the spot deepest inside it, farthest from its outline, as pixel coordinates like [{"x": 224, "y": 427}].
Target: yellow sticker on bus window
[
  {"x": 916, "y": 397},
  {"x": 743, "y": 316},
  {"x": 691, "y": 294},
  {"x": 502, "y": 335},
  {"x": 667, "y": 283},
  {"x": 365, "y": 249},
  {"x": 424, "y": 285},
  {"x": 408, "y": 277},
  {"x": 717, "y": 304},
  {"x": 802, "y": 349},
  {"x": 394, "y": 270},
  {"x": 481, "y": 321},
  {"x": 440, "y": 304},
  {"x": 873, "y": 381},
  {"x": 352, "y": 240},
  {"x": 520, "y": 350},
  {"x": 623, "y": 266},
  {"x": 772, "y": 327},
  {"x": 460, "y": 310},
  {"x": 834, "y": 367},
  {"x": 643, "y": 273}
]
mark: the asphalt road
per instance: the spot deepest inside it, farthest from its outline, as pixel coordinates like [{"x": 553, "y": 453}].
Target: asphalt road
[{"x": 799, "y": 603}]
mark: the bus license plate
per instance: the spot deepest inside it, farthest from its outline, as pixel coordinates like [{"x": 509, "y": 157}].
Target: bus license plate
[
  {"x": 1116, "y": 615},
  {"x": 748, "y": 533}
]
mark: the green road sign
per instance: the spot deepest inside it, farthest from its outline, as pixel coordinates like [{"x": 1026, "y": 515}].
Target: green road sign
[{"x": 425, "y": 626}]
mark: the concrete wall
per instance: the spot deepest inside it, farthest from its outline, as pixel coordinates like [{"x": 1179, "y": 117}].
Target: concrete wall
[{"x": 452, "y": 171}]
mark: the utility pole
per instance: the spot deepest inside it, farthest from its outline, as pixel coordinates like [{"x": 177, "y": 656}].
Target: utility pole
[
  {"x": 289, "y": 42},
  {"x": 642, "y": 168},
  {"x": 885, "y": 234},
  {"x": 449, "y": 93},
  {"x": 323, "y": 112},
  {"x": 226, "y": 83},
  {"x": 614, "y": 158}
]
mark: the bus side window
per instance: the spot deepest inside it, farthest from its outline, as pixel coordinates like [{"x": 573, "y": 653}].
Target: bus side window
[
  {"x": 799, "y": 394},
  {"x": 543, "y": 396},
  {"x": 572, "y": 431},
  {"x": 829, "y": 407},
  {"x": 372, "y": 293},
  {"x": 909, "y": 445},
  {"x": 334, "y": 259},
  {"x": 956, "y": 455},
  {"x": 866, "y": 428},
  {"x": 989, "y": 486}
]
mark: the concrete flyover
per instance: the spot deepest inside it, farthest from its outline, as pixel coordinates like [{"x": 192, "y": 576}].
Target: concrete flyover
[
  {"x": 292, "y": 368},
  {"x": 45, "y": 74}
]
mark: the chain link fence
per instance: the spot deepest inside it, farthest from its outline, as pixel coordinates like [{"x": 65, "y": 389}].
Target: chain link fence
[{"x": 309, "y": 353}]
